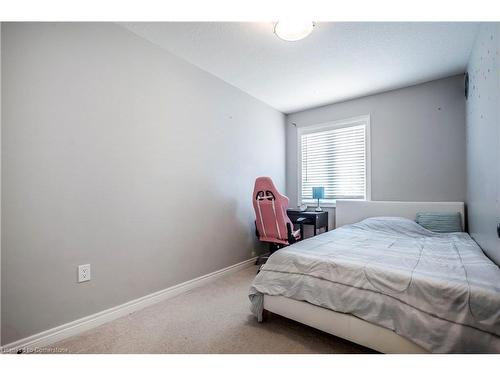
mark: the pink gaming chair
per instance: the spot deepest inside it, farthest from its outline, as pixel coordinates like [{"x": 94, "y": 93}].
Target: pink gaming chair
[{"x": 272, "y": 222}]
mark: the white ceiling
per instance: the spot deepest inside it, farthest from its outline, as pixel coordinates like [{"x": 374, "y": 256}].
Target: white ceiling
[{"x": 338, "y": 61}]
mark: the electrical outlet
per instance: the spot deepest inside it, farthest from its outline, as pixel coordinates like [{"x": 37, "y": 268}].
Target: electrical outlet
[{"x": 83, "y": 273}]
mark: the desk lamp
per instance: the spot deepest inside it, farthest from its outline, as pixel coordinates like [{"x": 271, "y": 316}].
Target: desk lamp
[{"x": 318, "y": 193}]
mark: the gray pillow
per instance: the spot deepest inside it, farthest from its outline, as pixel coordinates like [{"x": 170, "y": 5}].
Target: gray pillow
[{"x": 440, "y": 222}]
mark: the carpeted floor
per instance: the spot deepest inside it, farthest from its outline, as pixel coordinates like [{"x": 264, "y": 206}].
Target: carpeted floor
[{"x": 211, "y": 319}]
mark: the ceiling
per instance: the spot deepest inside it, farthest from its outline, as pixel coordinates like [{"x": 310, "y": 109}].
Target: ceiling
[{"x": 338, "y": 61}]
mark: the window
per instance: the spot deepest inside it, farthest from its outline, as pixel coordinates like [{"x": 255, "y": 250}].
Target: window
[{"x": 335, "y": 156}]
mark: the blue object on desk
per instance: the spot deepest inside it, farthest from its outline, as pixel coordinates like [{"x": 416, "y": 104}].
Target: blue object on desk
[{"x": 318, "y": 193}]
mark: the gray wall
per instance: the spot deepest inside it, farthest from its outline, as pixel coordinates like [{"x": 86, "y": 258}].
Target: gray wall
[
  {"x": 119, "y": 154},
  {"x": 483, "y": 140},
  {"x": 417, "y": 140}
]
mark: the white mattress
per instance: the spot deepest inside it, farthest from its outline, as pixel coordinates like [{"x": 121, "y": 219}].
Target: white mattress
[{"x": 438, "y": 290}]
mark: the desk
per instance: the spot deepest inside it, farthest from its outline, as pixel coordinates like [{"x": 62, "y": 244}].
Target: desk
[{"x": 318, "y": 219}]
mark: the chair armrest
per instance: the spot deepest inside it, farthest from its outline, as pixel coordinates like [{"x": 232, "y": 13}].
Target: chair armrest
[{"x": 300, "y": 221}]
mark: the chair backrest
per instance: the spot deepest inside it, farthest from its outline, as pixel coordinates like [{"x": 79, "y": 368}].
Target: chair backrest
[{"x": 270, "y": 211}]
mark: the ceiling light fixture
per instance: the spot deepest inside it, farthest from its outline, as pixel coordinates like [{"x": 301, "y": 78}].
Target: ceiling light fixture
[{"x": 292, "y": 31}]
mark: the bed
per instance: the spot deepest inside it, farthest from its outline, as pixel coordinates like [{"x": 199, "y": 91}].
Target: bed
[{"x": 382, "y": 281}]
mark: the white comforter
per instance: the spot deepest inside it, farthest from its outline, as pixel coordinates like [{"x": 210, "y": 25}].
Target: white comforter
[{"x": 438, "y": 290}]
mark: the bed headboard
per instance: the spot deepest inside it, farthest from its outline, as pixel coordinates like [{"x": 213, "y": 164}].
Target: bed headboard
[{"x": 349, "y": 212}]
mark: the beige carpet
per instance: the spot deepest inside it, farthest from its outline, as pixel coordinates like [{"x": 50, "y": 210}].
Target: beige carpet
[{"x": 210, "y": 319}]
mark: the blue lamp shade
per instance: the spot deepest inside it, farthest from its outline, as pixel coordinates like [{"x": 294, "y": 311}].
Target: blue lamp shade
[{"x": 318, "y": 192}]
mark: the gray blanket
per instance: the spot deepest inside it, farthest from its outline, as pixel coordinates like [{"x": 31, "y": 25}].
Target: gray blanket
[{"x": 438, "y": 290}]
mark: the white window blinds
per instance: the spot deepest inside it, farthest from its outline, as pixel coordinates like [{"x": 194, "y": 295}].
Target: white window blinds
[{"x": 335, "y": 159}]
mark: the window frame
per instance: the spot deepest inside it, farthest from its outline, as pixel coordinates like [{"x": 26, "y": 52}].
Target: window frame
[{"x": 331, "y": 125}]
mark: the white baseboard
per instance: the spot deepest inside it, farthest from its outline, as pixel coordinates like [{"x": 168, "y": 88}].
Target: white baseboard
[{"x": 50, "y": 336}]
